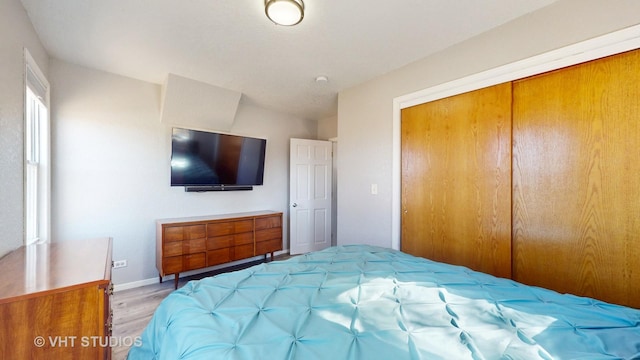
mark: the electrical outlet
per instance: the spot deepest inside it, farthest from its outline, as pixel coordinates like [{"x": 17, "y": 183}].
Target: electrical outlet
[{"x": 119, "y": 264}]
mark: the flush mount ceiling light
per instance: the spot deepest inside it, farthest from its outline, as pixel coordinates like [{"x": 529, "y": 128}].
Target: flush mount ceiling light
[{"x": 284, "y": 12}]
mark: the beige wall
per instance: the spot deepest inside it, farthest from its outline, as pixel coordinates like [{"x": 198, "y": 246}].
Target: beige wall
[
  {"x": 328, "y": 128},
  {"x": 111, "y": 159},
  {"x": 365, "y": 111},
  {"x": 16, "y": 33}
]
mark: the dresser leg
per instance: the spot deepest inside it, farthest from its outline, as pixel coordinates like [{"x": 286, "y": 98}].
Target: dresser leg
[{"x": 175, "y": 280}]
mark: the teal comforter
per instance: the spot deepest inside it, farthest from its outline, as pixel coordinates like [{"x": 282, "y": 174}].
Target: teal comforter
[{"x": 364, "y": 302}]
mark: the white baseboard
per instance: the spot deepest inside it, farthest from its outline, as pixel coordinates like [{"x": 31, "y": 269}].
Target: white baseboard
[
  {"x": 135, "y": 284},
  {"x": 154, "y": 280}
]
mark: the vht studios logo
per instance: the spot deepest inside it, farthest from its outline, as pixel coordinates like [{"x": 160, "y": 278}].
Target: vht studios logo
[{"x": 86, "y": 341}]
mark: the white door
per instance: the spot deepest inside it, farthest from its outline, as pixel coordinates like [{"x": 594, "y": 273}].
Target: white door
[{"x": 310, "y": 195}]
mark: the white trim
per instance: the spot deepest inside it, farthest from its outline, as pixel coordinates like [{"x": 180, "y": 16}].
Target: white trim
[
  {"x": 134, "y": 284},
  {"x": 154, "y": 280},
  {"x": 44, "y": 208},
  {"x": 33, "y": 66},
  {"x": 606, "y": 45}
]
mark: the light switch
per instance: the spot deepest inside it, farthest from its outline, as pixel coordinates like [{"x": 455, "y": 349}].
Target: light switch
[{"x": 374, "y": 189}]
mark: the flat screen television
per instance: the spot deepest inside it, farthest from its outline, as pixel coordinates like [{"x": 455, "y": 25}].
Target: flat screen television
[{"x": 208, "y": 159}]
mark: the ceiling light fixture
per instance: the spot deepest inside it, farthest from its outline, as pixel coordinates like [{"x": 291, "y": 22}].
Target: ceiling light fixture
[{"x": 284, "y": 12}]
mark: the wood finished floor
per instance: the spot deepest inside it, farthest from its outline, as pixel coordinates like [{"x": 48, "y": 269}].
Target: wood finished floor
[{"x": 133, "y": 308}]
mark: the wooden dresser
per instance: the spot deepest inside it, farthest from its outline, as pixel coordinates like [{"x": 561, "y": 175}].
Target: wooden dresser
[
  {"x": 184, "y": 244},
  {"x": 54, "y": 301}
]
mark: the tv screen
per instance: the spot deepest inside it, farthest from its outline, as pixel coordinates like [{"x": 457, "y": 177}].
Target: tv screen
[{"x": 200, "y": 158}]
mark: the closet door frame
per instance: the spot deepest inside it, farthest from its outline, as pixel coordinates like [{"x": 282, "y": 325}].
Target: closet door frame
[{"x": 606, "y": 45}]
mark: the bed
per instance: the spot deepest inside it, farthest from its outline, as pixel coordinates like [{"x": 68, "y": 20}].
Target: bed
[{"x": 366, "y": 302}]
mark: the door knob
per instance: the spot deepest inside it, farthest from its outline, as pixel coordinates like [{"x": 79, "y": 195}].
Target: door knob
[{"x": 294, "y": 205}]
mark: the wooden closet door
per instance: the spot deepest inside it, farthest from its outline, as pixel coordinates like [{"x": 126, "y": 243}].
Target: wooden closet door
[
  {"x": 456, "y": 180},
  {"x": 576, "y": 179}
]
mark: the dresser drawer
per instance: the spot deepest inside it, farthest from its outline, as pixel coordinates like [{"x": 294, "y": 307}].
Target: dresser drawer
[
  {"x": 173, "y": 233},
  {"x": 243, "y": 239},
  {"x": 219, "y": 256},
  {"x": 243, "y": 226},
  {"x": 194, "y": 261},
  {"x": 264, "y": 235},
  {"x": 265, "y": 247},
  {"x": 268, "y": 222},
  {"x": 229, "y": 227},
  {"x": 219, "y": 242},
  {"x": 195, "y": 232},
  {"x": 172, "y": 264},
  {"x": 194, "y": 246},
  {"x": 242, "y": 251},
  {"x": 178, "y": 264},
  {"x": 179, "y": 233},
  {"x": 172, "y": 248}
]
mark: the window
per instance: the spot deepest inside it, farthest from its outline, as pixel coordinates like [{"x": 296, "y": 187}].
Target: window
[{"x": 36, "y": 154}]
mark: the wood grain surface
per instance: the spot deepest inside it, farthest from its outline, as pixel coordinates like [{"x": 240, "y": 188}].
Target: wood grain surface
[
  {"x": 54, "y": 301},
  {"x": 456, "y": 180},
  {"x": 576, "y": 179}
]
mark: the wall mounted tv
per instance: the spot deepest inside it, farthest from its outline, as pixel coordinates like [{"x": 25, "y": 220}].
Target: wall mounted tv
[{"x": 210, "y": 161}]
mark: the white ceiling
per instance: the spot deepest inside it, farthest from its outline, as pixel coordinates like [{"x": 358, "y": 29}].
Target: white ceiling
[{"x": 231, "y": 43}]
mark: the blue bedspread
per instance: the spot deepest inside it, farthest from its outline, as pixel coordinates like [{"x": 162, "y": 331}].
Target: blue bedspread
[{"x": 364, "y": 302}]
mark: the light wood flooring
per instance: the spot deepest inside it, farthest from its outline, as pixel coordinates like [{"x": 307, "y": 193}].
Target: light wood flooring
[{"x": 133, "y": 308}]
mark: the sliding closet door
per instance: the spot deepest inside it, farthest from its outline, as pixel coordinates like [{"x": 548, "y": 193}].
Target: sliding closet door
[
  {"x": 576, "y": 178},
  {"x": 456, "y": 180}
]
